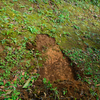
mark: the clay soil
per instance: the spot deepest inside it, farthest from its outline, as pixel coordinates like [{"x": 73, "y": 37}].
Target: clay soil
[
  {"x": 56, "y": 66},
  {"x": 60, "y": 71}
]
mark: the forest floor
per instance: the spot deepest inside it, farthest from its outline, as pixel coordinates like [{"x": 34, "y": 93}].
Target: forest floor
[{"x": 49, "y": 50}]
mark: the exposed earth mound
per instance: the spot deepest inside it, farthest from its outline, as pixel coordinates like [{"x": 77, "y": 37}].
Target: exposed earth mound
[
  {"x": 56, "y": 67},
  {"x": 60, "y": 71}
]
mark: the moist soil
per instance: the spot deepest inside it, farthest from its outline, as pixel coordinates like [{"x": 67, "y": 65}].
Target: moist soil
[
  {"x": 60, "y": 71},
  {"x": 56, "y": 66}
]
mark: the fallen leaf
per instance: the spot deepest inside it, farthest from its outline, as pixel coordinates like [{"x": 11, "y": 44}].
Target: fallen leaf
[
  {"x": 98, "y": 85},
  {"x": 1, "y": 87},
  {"x": 23, "y": 73},
  {"x": 9, "y": 91},
  {"x": 27, "y": 82}
]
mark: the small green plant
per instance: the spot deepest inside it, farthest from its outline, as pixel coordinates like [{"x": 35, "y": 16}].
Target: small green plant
[
  {"x": 76, "y": 27},
  {"x": 15, "y": 0},
  {"x": 2, "y": 9},
  {"x": 3, "y": 41},
  {"x": 55, "y": 92},
  {"x": 10, "y": 26},
  {"x": 14, "y": 40},
  {"x": 45, "y": 1},
  {"x": 35, "y": 1},
  {"x": 64, "y": 92},
  {"x": 30, "y": 9},
  {"x": 32, "y": 29},
  {"x": 8, "y": 32},
  {"x": 22, "y": 6},
  {"x": 49, "y": 86}
]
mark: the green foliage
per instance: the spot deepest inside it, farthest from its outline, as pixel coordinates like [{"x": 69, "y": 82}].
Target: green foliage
[
  {"x": 30, "y": 9},
  {"x": 15, "y": 0},
  {"x": 88, "y": 61},
  {"x": 46, "y": 1},
  {"x": 94, "y": 2},
  {"x": 48, "y": 85},
  {"x": 64, "y": 92},
  {"x": 32, "y": 29}
]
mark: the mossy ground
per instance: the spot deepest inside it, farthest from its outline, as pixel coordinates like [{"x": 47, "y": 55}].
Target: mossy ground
[{"x": 75, "y": 27}]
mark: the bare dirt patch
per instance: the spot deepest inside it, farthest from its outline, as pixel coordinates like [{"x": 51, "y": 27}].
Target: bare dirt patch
[{"x": 56, "y": 67}]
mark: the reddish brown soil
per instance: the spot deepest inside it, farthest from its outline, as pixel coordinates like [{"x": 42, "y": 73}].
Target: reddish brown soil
[{"x": 56, "y": 67}]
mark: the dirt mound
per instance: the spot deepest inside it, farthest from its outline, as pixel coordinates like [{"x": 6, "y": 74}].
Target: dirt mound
[{"x": 56, "y": 67}]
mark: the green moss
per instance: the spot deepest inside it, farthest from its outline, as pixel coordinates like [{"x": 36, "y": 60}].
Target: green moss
[
  {"x": 45, "y": 18},
  {"x": 47, "y": 21}
]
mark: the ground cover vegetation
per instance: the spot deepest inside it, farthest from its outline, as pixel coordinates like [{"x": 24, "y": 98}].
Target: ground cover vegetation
[{"x": 49, "y": 49}]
